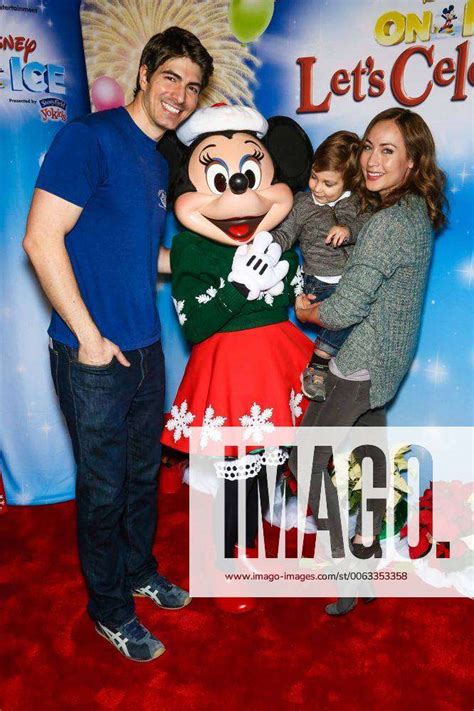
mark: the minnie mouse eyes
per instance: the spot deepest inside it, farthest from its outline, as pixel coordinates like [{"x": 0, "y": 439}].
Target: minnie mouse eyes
[
  {"x": 217, "y": 172},
  {"x": 217, "y": 178},
  {"x": 252, "y": 172}
]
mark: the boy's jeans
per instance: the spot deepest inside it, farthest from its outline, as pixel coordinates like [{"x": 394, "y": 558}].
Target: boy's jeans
[
  {"x": 327, "y": 341},
  {"x": 114, "y": 416}
]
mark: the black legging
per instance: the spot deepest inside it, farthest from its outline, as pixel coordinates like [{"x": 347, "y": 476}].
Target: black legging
[{"x": 252, "y": 486}]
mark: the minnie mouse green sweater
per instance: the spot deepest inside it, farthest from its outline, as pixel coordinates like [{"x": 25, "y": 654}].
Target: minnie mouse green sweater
[{"x": 206, "y": 303}]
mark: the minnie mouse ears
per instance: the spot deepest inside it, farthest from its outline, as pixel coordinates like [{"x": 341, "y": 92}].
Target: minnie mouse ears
[
  {"x": 291, "y": 151},
  {"x": 221, "y": 117}
]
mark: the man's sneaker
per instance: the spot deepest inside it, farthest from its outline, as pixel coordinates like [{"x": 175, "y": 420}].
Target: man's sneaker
[
  {"x": 163, "y": 593},
  {"x": 133, "y": 640},
  {"x": 313, "y": 382}
]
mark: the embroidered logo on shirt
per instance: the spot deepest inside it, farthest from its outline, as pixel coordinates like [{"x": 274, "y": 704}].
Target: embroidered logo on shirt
[{"x": 162, "y": 198}]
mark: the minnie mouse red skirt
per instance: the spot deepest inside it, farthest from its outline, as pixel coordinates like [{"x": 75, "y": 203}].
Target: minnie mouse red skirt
[{"x": 247, "y": 379}]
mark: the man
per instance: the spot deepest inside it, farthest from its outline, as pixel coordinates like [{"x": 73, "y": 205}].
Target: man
[{"x": 93, "y": 236}]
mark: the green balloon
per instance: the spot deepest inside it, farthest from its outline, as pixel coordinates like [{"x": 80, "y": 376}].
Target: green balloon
[{"x": 248, "y": 19}]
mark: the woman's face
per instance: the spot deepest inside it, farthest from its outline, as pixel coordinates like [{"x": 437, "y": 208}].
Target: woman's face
[{"x": 384, "y": 159}]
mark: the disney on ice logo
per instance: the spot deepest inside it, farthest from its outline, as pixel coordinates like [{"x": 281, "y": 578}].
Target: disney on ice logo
[
  {"x": 31, "y": 76},
  {"x": 53, "y": 110},
  {"x": 18, "y": 44},
  {"x": 36, "y": 77}
]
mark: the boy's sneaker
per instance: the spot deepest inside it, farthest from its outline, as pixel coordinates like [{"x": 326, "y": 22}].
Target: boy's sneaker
[
  {"x": 133, "y": 640},
  {"x": 313, "y": 382},
  {"x": 163, "y": 593}
]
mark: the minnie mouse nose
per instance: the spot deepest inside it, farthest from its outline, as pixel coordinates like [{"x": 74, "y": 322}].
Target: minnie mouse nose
[{"x": 238, "y": 183}]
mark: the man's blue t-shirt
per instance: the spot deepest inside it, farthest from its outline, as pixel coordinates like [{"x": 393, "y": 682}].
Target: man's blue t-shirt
[{"x": 105, "y": 164}]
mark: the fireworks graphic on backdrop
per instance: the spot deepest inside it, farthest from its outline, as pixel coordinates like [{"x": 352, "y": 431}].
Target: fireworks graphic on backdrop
[{"x": 115, "y": 32}]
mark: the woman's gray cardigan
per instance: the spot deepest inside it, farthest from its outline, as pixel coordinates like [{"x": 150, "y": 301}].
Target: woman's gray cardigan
[{"x": 382, "y": 291}]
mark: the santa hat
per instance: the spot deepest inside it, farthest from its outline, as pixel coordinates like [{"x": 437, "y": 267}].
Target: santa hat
[{"x": 221, "y": 117}]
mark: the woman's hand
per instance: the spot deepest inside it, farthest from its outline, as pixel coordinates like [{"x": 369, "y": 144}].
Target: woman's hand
[
  {"x": 307, "y": 309},
  {"x": 305, "y": 301},
  {"x": 337, "y": 235}
]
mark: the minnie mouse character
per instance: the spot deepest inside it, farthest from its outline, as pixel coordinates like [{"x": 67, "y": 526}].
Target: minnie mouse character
[{"x": 232, "y": 286}]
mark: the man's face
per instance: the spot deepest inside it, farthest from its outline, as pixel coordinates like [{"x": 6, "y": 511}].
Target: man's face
[{"x": 171, "y": 94}]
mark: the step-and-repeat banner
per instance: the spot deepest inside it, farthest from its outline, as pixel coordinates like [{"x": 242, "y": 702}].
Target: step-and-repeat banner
[
  {"x": 330, "y": 65},
  {"x": 43, "y": 84}
]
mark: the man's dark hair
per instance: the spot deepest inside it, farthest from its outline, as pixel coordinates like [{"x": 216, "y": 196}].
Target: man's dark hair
[{"x": 175, "y": 42}]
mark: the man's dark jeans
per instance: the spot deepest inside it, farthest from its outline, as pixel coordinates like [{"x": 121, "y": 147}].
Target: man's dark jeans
[{"x": 114, "y": 416}]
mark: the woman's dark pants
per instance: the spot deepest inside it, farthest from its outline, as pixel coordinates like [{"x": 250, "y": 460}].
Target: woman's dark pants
[{"x": 347, "y": 404}]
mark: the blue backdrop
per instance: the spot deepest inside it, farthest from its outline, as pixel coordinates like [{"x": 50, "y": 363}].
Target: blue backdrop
[
  {"x": 36, "y": 459},
  {"x": 43, "y": 84}
]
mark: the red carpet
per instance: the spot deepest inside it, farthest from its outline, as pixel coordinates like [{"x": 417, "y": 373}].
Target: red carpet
[{"x": 393, "y": 654}]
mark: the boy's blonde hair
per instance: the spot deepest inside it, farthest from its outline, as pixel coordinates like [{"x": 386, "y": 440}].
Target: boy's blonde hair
[{"x": 338, "y": 152}]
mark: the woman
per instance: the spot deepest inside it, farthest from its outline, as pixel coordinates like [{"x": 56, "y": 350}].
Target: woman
[{"x": 380, "y": 294}]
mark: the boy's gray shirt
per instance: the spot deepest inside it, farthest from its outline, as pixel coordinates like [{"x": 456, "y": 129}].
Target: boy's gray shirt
[
  {"x": 382, "y": 291},
  {"x": 309, "y": 224}
]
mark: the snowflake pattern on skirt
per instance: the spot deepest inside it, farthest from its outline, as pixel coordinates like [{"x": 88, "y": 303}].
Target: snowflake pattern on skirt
[
  {"x": 257, "y": 423},
  {"x": 179, "y": 421},
  {"x": 295, "y": 406},
  {"x": 211, "y": 427}
]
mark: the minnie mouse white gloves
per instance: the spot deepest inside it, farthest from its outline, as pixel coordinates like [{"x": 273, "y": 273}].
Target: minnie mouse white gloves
[{"x": 258, "y": 268}]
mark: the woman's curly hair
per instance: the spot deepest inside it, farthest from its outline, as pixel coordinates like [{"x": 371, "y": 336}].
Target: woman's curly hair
[{"x": 425, "y": 178}]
